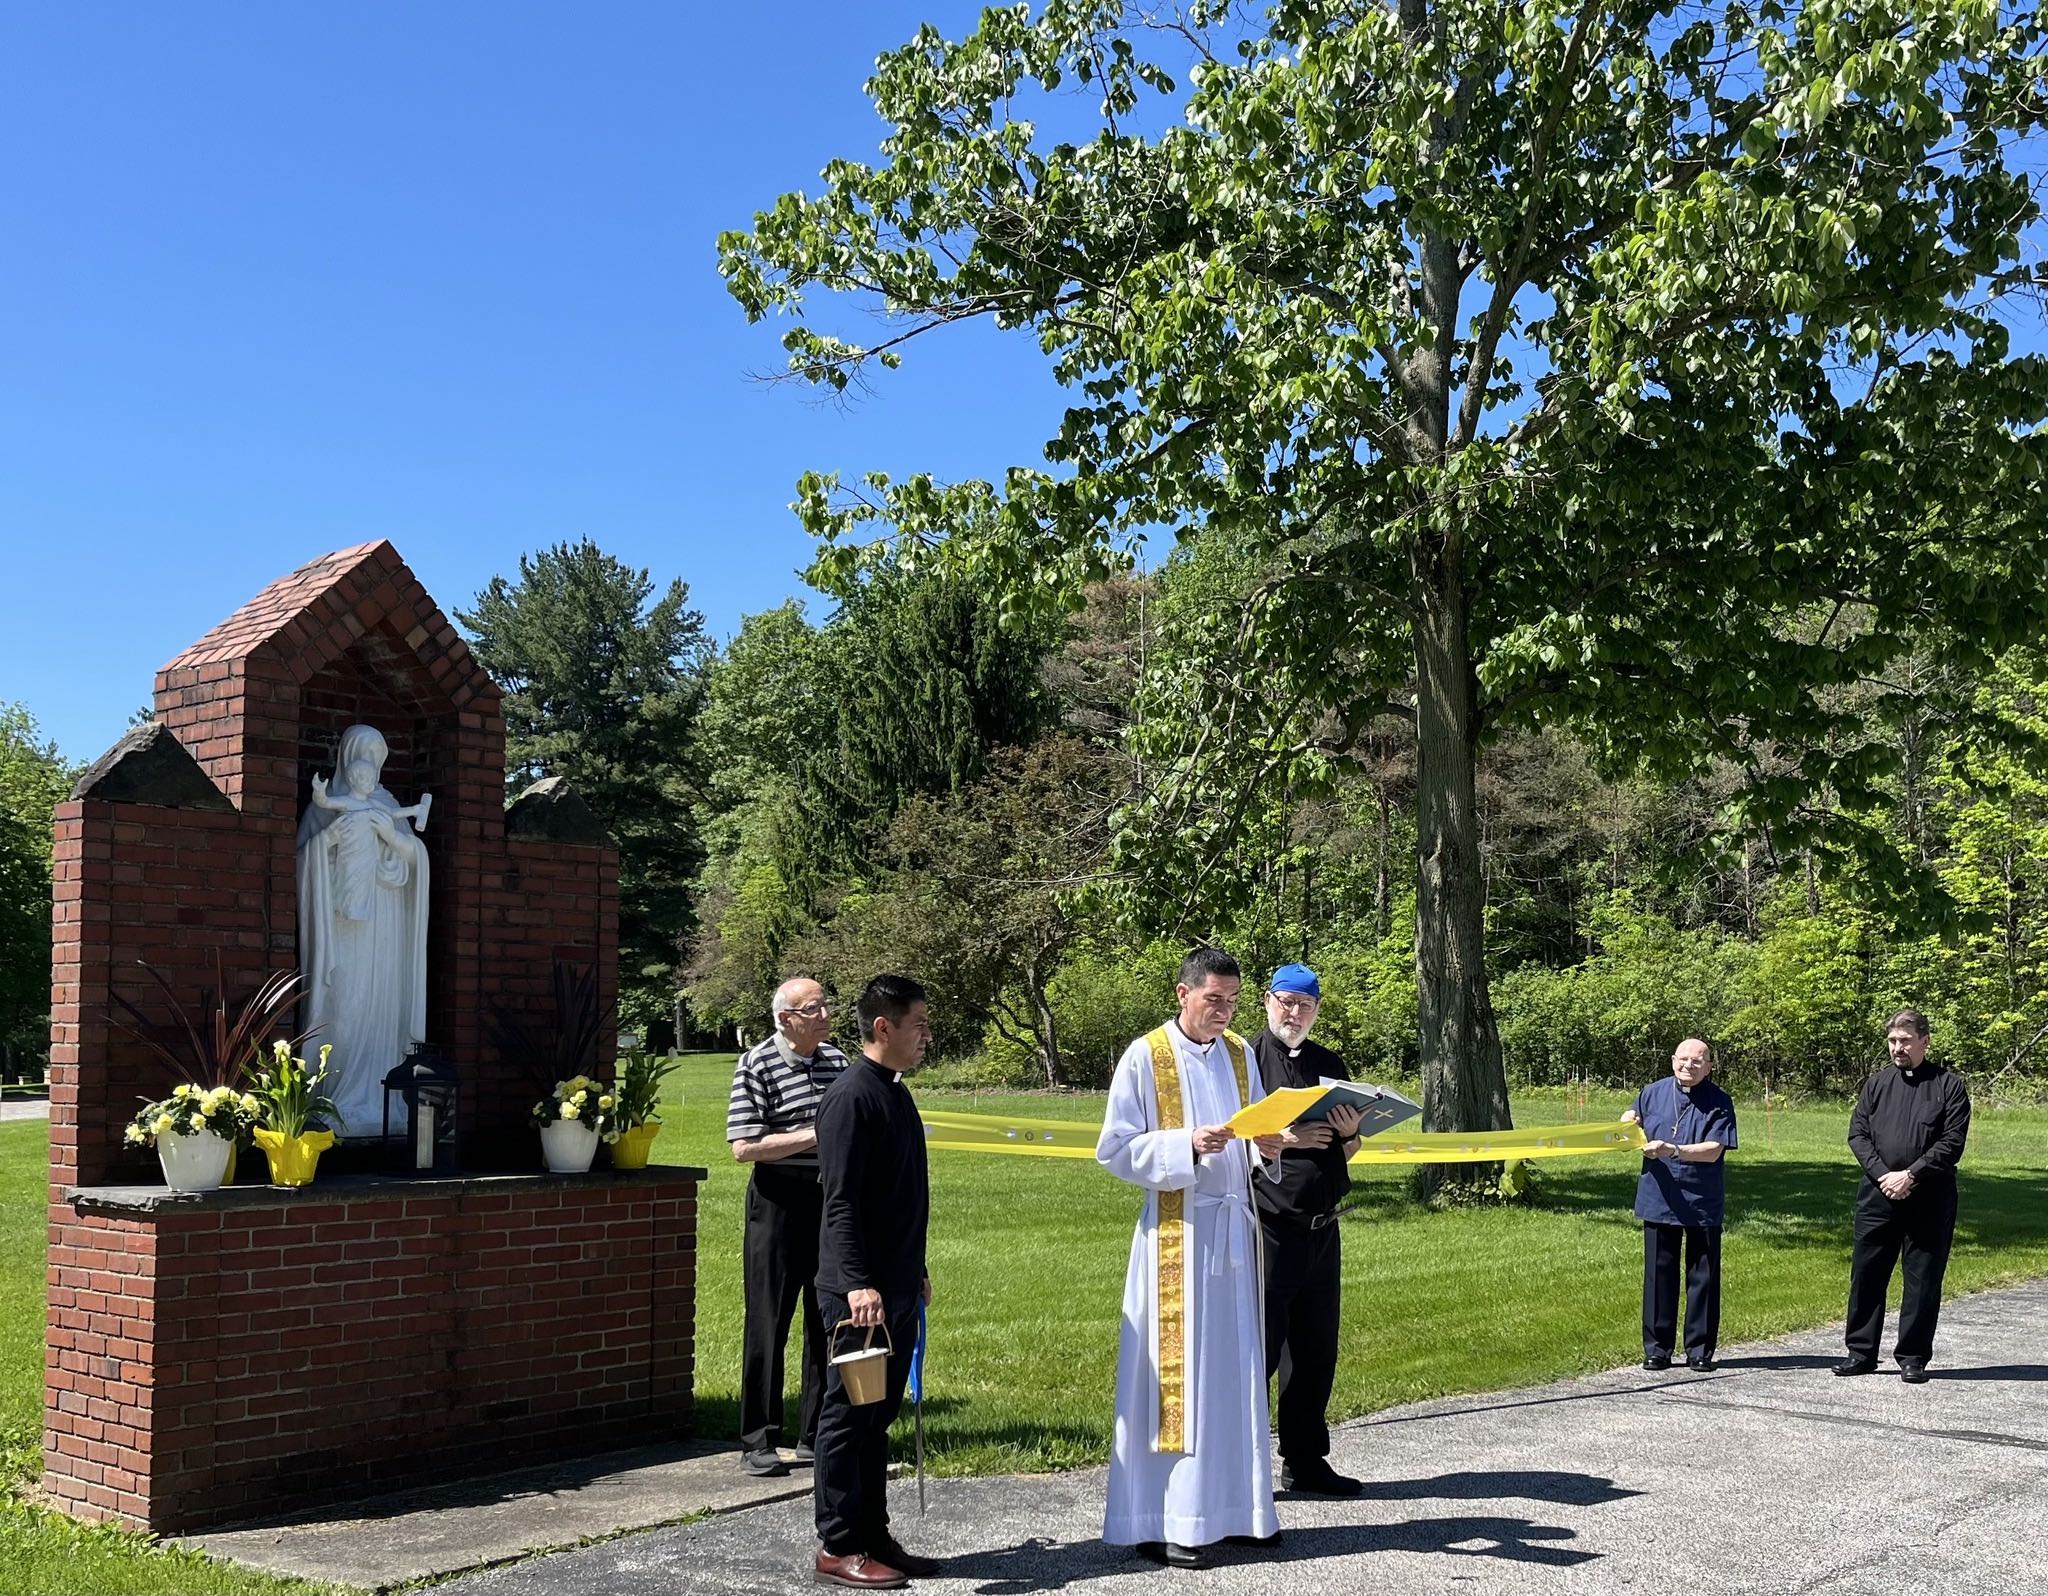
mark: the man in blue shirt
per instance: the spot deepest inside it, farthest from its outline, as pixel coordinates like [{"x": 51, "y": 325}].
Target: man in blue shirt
[{"x": 1681, "y": 1198}]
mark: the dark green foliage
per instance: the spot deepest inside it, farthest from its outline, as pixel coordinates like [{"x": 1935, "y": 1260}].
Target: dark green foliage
[
  {"x": 34, "y": 779},
  {"x": 603, "y": 683}
]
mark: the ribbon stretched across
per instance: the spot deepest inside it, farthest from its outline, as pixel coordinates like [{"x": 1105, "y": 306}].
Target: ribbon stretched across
[{"x": 1070, "y": 1138}]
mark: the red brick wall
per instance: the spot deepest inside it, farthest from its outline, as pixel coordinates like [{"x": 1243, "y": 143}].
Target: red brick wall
[{"x": 222, "y": 1358}]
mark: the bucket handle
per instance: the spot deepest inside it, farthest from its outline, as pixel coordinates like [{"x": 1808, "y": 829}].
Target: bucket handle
[{"x": 888, "y": 1341}]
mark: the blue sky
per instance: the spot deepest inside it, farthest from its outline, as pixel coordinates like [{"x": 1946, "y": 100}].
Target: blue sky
[{"x": 280, "y": 279}]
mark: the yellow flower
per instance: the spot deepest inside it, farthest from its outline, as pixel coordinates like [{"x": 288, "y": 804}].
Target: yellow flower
[
  {"x": 605, "y": 1101},
  {"x": 582, "y": 1096},
  {"x": 185, "y": 1089},
  {"x": 248, "y": 1103},
  {"x": 164, "y": 1125},
  {"x": 571, "y": 1111},
  {"x": 136, "y": 1135}
]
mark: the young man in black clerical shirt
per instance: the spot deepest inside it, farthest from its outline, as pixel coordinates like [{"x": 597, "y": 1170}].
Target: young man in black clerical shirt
[
  {"x": 1304, "y": 1262},
  {"x": 871, "y": 1275},
  {"x": 1907, "y": 1132}
]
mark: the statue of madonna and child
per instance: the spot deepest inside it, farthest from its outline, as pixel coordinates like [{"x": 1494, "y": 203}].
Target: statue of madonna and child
[{"x": 362, "y": 876}]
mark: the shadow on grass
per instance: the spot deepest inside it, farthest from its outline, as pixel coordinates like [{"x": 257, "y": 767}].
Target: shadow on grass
[{"x": 1809, "y": 1203}]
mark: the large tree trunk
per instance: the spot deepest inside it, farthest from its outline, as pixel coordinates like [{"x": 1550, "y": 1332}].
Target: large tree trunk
[{"x": 1464, "y": 1087}]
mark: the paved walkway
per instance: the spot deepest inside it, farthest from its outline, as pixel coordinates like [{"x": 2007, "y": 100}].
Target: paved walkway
[
  {"x": 1770, "y": 1477},
  {"x": 18, "y": 1107}
]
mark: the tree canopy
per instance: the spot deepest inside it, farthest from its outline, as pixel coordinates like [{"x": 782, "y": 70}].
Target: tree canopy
[{"x": 1643, "y": 370}]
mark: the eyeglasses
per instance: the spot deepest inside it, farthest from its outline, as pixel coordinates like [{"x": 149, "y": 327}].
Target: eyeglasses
[
  {"x": 811, "y": 1011},
  {"x": 1292, "y": 1001}
]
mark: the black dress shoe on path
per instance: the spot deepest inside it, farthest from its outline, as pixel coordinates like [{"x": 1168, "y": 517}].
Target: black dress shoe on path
[
  {"x": 1173, "y": 1554},
  {"x": 1319, "y": 1479},
  {"x": 1656, "y": 1363},
  {"x": 764, "y": 1463},
  {"x": 1701, "y": 1365},
  {"x": 1913, "y": 1371},
  {"x": 1856, "y": 1366},
  {"x": 857, "y": 1572}
]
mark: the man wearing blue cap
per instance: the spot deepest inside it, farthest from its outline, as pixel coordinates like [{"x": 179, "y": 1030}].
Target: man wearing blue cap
[{"x": 1298, "y": 1213}]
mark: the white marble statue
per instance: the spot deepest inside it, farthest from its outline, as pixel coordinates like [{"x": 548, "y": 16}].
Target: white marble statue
[{"x": 363, "y": 927}]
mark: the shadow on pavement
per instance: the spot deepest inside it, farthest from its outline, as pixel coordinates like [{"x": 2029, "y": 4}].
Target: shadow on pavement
[
  {"x": 1993, "y": 1371},
  {"x": 1539, "y": 1485},
  {"x": 1783, "y": 1360},
  {"x": 1043, "y": 1565}
]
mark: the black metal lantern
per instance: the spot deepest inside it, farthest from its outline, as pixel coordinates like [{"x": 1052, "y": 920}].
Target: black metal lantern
[{"x": 422, "y": 1116}]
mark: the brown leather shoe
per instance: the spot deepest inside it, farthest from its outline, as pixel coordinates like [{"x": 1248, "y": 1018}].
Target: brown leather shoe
[
  {"x": 858, "y": 1571},
  {"x": 896, "y": 1555}
]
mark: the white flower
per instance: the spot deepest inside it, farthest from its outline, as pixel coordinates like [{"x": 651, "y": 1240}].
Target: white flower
[{"x": 571, "y": 1111}]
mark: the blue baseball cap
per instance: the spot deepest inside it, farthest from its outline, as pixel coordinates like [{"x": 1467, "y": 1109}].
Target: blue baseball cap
[{"x": 1296, "y": 978}]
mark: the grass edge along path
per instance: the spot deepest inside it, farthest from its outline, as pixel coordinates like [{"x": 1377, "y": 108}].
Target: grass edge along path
[{"x": 1028, "y": 1258}]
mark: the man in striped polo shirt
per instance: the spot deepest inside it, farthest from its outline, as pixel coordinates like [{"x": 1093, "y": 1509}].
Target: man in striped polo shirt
[{"x": 771, "y": 1124}]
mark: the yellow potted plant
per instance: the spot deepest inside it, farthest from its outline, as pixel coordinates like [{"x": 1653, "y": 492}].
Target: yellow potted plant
[
  {"x": 290, "y": 1100},
  {"x": 194, "y": 1132},
  {"x": 639, "y": 1096}
]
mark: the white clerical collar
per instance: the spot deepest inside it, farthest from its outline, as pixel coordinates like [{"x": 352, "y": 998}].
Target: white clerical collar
[{"x": 1199, "y": 1047}]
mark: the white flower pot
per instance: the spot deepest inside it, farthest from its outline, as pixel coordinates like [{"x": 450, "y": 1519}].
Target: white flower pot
[
  {"x": 567, "y": 1146},
  {"x": 198, "y": 1162}
]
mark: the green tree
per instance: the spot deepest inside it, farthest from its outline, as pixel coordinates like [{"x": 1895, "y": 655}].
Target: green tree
[
  {"x": 34, "y": 779},
  {"x": 1553, "y": 364},
  {"x": 603, "y": 687}
]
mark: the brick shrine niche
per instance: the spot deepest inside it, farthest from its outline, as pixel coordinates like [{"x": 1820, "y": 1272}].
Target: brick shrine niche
[{"x": 474, "y": 1321}]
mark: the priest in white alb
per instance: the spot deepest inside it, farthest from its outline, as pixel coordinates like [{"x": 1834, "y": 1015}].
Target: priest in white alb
[{"x": 1190, "y": 1465}]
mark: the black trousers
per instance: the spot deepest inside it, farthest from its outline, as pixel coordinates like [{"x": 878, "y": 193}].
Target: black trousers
[
  {"x": 779, "y": 1266},
  {"x": 1922, "y": 1228},
  {"x": 1702, "y": 1246},
  {"x": 1304, "y": 1281},
  {"x": 851, "y": 1476}
]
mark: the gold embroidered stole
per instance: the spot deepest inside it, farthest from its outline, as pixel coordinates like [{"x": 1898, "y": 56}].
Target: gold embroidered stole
[{"x": 1173, "y": 1319}]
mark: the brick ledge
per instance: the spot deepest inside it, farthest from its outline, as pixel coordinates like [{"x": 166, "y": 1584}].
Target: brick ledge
[{"x": 146, "y": 1200}]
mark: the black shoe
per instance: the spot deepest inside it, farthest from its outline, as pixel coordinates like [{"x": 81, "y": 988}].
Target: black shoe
[
  {"x": 1913, "y": 1371},
  {"x": 1319, "y": 1479},
  {"x": 1857, "y": 1366},
  {"x": 1701, "y": 1365},
  {"x": 1254, "y": 1540},
  {"x": 1656, "y": 1362},
  {"x": 1172, "y": 1554},
  {"x": 764, "y": 1463}
]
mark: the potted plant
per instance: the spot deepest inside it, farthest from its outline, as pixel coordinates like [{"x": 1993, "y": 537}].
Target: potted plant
[
  {"x": 290, "y": 1101},
  {"x": 211, "y": 1052},
  {"x": 639, "y": 1096},
  {"x": 573, "y": 1118},
  {"x": 194, "y": 1133}
]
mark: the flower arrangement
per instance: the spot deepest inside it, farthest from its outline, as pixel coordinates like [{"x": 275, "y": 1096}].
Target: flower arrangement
[
  {"x": 189, "y": 1110},
  {"x": 289, "y": 1096},
  {"x": 583, "y": 1101},
  {"x": 289, "y": 1100},
  {"x": 640, "y": 1080}
]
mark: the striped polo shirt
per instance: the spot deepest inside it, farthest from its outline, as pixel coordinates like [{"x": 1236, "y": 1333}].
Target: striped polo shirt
[{"x": 774, "y": 1091}]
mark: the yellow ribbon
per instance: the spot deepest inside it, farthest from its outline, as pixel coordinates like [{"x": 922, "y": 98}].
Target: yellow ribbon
[{"x": 1072, "y": 1138}]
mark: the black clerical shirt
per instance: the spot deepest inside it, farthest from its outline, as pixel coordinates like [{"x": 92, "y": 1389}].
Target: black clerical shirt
[
  {"x": 1312, "y": 1182},
  {"x": 1915, "y": 1119},
  {"x": 871, "y": 1163}
]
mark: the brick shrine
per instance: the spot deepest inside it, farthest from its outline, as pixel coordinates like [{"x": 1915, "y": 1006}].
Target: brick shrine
[{"x": 221, "y": 1356}]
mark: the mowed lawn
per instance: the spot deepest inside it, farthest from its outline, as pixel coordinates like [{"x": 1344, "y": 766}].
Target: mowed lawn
[{"x": 1028, "y": 1259}]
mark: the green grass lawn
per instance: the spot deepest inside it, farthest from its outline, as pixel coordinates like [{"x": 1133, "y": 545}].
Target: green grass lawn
[{"x": 1028, "y": 1261}]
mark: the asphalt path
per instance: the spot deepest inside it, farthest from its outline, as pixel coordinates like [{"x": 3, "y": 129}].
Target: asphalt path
[{"x": 1769, "y": 1477}]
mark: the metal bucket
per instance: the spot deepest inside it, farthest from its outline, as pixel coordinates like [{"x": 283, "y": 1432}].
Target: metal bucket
[{"x": 864, "y": 1371}]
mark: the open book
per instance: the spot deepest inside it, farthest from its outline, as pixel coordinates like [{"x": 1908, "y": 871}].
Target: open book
[{"x": 1381, "y": 1107}]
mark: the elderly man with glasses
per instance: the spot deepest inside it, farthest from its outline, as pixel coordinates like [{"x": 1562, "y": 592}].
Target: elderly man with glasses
[
  {"x": 771, "y": 1122},
  {"x": 1304, "y": 1261}
]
